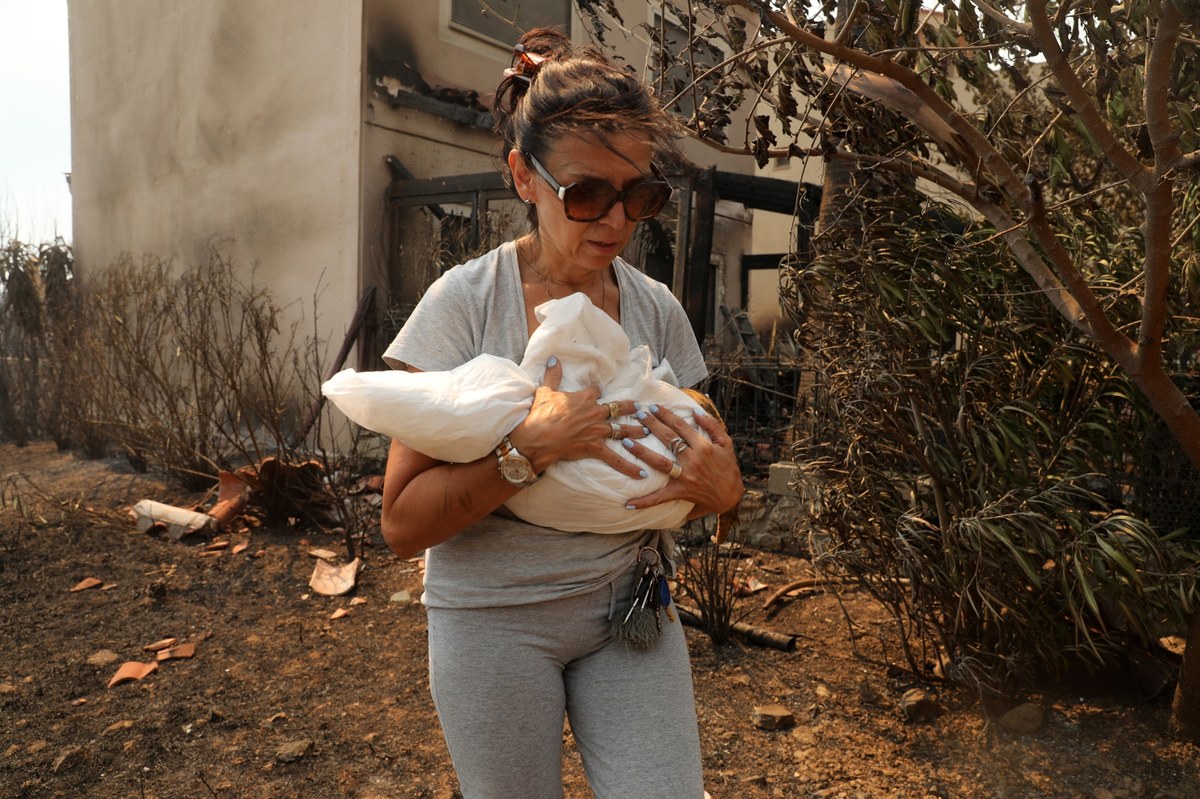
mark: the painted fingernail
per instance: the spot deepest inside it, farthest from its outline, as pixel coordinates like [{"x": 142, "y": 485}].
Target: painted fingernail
[
  {"x": 637, "y": 406},
  {"x": 552, "y": 362},
  {"x": 645, "y": 431},
  {"x": 640, "y": 414},
  {"x": 698, "y": 412},
  {"x": 642, "y": 473},
  {"x": 653, "y": 409},
  {"x": 630, "y": 507},
  {"x": 627, "y": 443}
]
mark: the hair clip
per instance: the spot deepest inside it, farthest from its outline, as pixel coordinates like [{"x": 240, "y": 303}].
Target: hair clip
[{"x": 525, "y": 64}]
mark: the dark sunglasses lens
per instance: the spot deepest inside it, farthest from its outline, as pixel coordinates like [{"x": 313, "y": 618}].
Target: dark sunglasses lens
[
  {"x": 645, "y": 200},
  {"x": 589, "y": 200}
]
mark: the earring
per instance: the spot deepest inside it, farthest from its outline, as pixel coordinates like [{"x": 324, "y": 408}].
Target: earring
[{"x": 527, "y": 201}]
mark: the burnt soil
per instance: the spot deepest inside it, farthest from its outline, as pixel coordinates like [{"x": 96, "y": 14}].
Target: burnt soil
[{"x": 281, "y": 700}]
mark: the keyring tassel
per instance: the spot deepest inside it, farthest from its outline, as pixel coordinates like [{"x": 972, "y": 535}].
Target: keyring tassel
[{"x": 639, "y": 629}]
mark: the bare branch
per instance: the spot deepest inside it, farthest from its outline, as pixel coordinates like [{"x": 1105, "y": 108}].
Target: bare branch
[
  {"x": 763, "y": 45},
  {"x": 966, "y": 142},
  {"x": 1156, "y": 233},
  {"x": 1164, "y": 138},
  {"x": 1160, "y": 202},
  {"x": 1079, "y": 98},
  {"x": 1020, "y": 28},
  {"x": 845, "y": 29}
]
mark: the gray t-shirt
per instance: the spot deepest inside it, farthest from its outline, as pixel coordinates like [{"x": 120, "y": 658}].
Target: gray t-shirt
[{"x": 479, "y": 307}]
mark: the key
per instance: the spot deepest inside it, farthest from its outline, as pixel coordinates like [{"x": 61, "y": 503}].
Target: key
[{"x": 664, "y": 599}]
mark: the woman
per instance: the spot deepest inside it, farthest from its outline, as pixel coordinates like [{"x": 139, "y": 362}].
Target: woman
[{"x": 520, "y": 616}]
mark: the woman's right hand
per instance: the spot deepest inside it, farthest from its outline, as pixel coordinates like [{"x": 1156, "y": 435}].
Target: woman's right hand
[{"x": 572, "y": 425}]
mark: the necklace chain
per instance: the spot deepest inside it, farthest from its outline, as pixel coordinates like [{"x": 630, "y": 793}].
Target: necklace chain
[{"x": 546, "y": 283}]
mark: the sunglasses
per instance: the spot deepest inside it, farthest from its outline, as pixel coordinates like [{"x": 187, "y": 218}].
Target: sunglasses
[
  {"x": 525, "y": 65},
  {"x": 589, "y": 200}
]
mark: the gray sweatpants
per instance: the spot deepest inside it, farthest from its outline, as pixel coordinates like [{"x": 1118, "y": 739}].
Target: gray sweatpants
[{"x": 502, "y": 679}]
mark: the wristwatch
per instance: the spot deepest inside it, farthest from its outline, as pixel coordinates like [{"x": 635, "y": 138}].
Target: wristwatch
[{"x": 514, "y": 467}]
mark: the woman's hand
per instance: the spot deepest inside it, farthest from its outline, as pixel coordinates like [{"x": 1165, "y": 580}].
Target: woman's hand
[
  {"x": 572, "y": 425},
  {"x": 708, "y": 474}
]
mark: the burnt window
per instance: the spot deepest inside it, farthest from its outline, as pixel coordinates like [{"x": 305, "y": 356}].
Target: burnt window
[{"x": 503, "y": 21}]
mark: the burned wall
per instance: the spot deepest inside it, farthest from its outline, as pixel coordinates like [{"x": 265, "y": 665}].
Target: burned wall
[{"x": 227, "y": 123}]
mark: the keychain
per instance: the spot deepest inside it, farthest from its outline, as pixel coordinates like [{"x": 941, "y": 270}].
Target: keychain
[{"x": 640, "y": 625}]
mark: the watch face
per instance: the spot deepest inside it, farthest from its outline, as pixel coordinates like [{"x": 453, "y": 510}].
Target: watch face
[{"x": 515, "y": 470}]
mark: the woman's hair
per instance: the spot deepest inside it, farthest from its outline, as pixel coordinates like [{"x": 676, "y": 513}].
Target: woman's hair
[{"x": 555, "y": 88}]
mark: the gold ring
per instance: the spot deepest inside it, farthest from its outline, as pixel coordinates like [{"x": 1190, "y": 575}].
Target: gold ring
[
  {"x": 614, "y": 431},
  {"x": 677, "y": 445},
  {"x": 614, "y": 410},
  {"x": 676, "y": 470}
]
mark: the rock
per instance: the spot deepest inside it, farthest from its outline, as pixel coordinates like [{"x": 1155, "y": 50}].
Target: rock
[
  {"x": 1023, "y": 719},
  {"x": 768, "y": 542},
  {"x": 36, "y": 747},
  {"x": 102, "y": 657},
  {"x": 7, "y": 688},
  {"x": 293, "y": 750},
  {"x": 753, "y": 507},
  {"x": 1103, "y": 793},
  {"x": 401, "y": 596},
  {"x": 782, "y": 519},
  {"x": 918, "y": 705},
  {"x": 772, "y": 717},
  {"x": 805, "y": 736},
  {"x": 781, "y": 477}
]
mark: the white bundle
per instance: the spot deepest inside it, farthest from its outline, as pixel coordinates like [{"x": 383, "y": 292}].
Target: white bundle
[{"x": 462, "y": 414}]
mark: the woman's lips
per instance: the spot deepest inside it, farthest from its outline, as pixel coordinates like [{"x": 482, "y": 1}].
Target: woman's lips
[{"x": 606, "y": 246}]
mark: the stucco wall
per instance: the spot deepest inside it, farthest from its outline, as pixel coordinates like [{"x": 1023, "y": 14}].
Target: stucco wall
[{"x": 221, "y": 121}]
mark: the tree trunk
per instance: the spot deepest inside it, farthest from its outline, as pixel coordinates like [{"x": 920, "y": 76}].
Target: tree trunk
[{"x": 1185, "y": 709}]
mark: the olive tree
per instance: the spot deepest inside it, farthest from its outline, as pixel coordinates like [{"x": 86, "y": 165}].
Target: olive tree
[{"x": 1069, "y": 128}]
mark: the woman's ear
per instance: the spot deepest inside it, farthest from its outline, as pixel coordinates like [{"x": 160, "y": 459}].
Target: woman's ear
[{"x": 522, "y": 175}]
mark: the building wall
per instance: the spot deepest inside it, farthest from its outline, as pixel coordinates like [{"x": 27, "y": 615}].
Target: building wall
[
  {"x": 417, "y": 83},
  {"x": 222, "y": 122}
]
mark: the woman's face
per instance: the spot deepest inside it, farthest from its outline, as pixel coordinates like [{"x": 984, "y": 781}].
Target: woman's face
[{"x": 619, "y": 160}]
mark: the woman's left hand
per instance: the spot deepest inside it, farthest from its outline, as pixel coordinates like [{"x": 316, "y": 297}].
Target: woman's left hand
[{"x": 707, "y": 474}]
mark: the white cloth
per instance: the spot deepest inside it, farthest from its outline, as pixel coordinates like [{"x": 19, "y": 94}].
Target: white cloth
[{"x": 462, "y": 414}]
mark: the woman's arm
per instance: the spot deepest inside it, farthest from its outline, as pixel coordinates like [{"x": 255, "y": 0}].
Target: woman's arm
[{"x": 427, "y": 501}]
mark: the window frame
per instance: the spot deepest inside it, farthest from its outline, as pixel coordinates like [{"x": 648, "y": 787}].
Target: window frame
[{"x": 566, "y": 23}]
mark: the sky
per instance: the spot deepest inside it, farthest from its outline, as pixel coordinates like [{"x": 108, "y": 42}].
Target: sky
[{"x": 35, "y": 121}]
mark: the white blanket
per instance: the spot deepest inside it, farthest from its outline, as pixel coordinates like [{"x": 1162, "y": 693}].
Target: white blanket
[{"x": 462, "y": 414}]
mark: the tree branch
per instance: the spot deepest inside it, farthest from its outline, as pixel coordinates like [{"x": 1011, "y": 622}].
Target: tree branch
[
  {"x": 1156, "y": 233},
  {"x": 1088, "y": 315},
  {"x": 1164, "y": 138},
  {"x": 1160, "y": 201},
  {"x": 1081, "y": 101},
  {"x": 967, "y": 143},
  {"x": 1019, "y": 28}
]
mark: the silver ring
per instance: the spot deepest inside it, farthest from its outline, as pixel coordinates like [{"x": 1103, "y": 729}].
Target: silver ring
[
  {"x": 677, "y": 445},
  {"x": 614, "y": 410},
  {"x": 676, "y": 470},
  {"x": 614, "y": 431}
]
